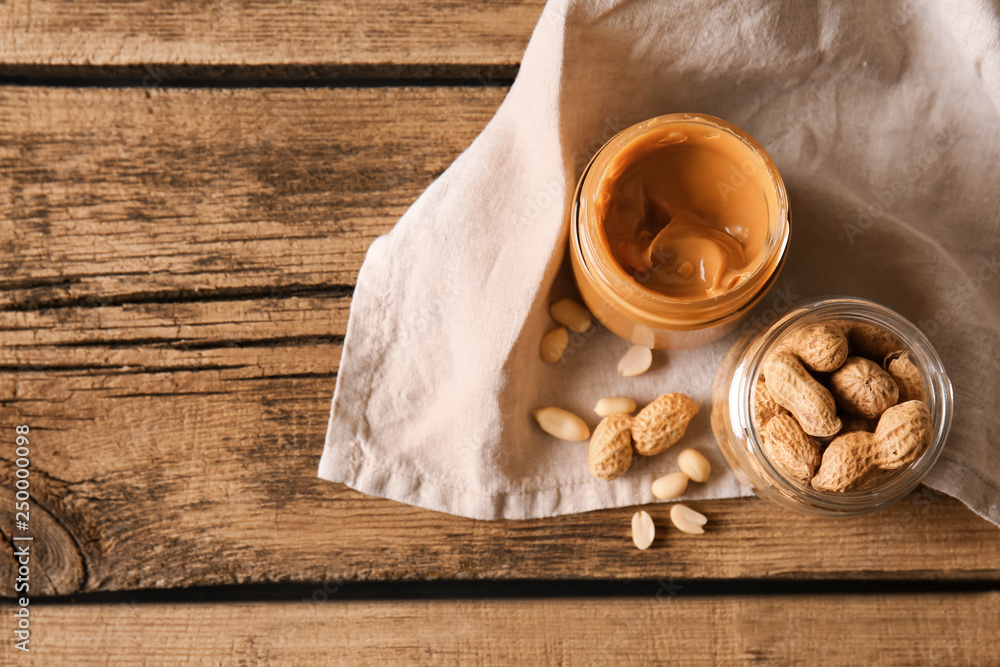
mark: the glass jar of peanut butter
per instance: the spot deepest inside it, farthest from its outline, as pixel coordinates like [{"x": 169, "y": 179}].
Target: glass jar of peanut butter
[
  {"x": 850, "y": 351},
  {"x": 679, "y": 226}
]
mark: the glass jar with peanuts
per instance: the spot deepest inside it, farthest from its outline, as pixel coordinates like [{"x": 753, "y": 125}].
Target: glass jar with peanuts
[{"x": 839, "y": 408}]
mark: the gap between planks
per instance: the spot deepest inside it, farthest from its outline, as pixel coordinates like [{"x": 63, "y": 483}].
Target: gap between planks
[
  {"x": 517, "y": 589},
  {"x": 152, "y": 76}
]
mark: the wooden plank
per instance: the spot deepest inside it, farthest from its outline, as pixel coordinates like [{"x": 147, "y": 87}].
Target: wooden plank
[
  {"x": 119, "y": 196},
  {"x": 175, "y": 336},
  {"x": 831, "y": 630},
  {"x": 239, "y": 33}
]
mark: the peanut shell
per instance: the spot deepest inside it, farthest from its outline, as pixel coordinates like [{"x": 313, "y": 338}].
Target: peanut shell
[
  {"x": 764, "y": 406},
  {"x": 903, "y": 432},
  {"x": 662, "y": 423},
  {"x": 868, "y": 340},
  {"x": 790, "y": 449},
  {"x": 906, "y": 375},
  {"x": 610, "y": 453},
  {"x": 794, "y": 389},
  {"x": 821, "y": 347},
  {"x": 862, "y": 389},
  {"x": 847, "y": 463}
]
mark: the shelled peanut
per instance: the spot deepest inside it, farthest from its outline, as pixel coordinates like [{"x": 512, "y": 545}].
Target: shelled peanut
[
  {"x": 657, "y": 427},
  {"x": 840, "y": 405},
  {"x": 569, "y": 314}
]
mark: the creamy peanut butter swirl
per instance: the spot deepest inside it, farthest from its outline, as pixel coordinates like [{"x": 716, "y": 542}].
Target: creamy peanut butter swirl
[{"x": 684, "y": 210}]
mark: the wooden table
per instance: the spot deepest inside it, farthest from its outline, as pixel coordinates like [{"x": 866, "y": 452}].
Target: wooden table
[{"x": 187, "y": 193}]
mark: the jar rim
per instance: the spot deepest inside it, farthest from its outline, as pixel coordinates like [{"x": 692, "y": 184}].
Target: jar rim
[
  {"x": 939, "y": 402},
  {"x": 710, "y": 311}
]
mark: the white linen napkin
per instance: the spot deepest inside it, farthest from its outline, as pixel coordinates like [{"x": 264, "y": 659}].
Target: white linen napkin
[{"x": 884, "y": 121}]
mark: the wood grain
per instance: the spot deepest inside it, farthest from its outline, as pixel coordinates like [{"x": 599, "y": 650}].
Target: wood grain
[
  {"x": 240, "y": 33},
  {"x": 177, "y": 271},
  {"x": 128, "y": 196},
  {"x": 830, "y": 630}
]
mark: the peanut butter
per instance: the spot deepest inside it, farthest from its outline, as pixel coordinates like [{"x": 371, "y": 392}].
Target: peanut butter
[
  {"x": 679, "y": 227},
  {"x": 685, "y": 210}
]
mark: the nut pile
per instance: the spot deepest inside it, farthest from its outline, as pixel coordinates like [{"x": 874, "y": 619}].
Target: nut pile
[
  {"x": 571, "y": 314},
  {"x": 840, "y": 405},
  {"x": 568, "y": 313},
  {"x": 656, "y": 427}
]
